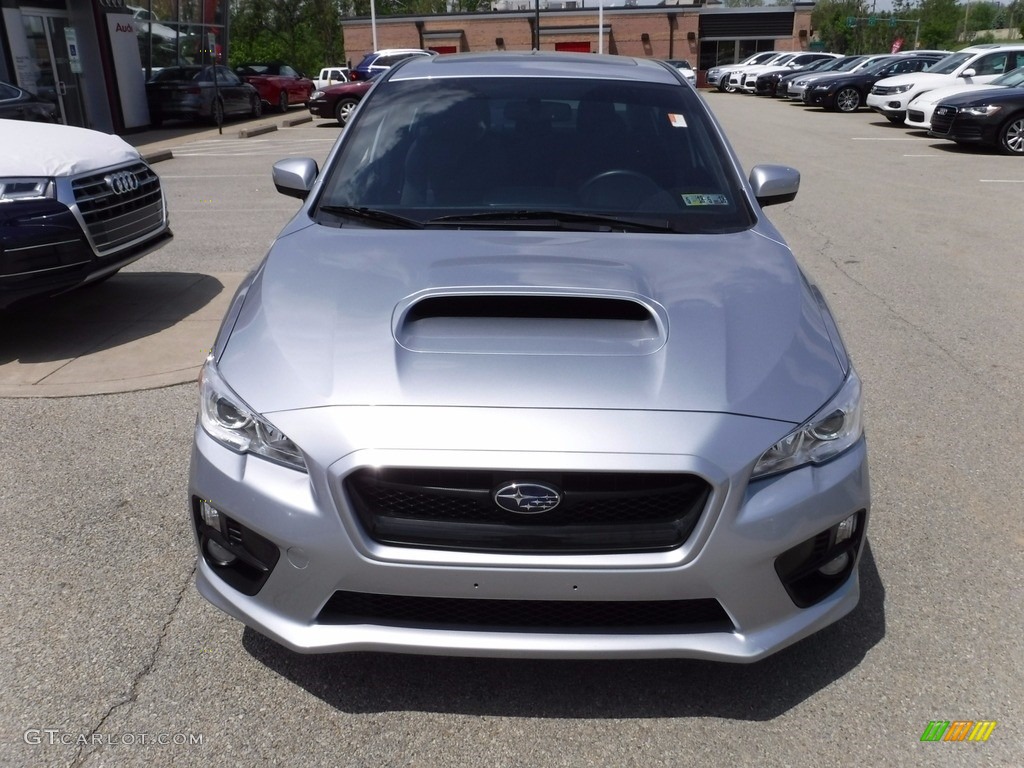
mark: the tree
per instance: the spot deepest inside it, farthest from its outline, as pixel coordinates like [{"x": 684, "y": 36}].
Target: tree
[
  {"x": 829, "y": 20},
  {"x": 940, "y": 20},
  {"x": 303, "y": 33}
]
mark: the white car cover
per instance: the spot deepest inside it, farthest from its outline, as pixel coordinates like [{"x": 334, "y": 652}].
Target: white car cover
[{"x": 45, "y": 149}]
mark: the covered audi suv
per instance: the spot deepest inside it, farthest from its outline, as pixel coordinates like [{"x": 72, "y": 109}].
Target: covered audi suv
[{"x": 531, "y": 374}]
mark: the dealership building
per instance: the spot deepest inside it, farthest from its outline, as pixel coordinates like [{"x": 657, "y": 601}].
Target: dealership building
[{"x": 92, "y": 57}]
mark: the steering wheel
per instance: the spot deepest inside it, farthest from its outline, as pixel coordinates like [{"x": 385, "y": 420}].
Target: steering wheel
[{"x": 618, "y": 188}]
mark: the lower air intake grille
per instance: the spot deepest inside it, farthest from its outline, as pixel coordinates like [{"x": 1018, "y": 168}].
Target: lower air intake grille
[{"x": 650, "y": 616}]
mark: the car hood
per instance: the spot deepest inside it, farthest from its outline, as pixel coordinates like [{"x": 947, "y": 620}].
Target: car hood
[
  {"x": 916, "y": 78},
  {"x": 716, "y": 323},
  {"x": 44, "y": 149},
  {"x": 938, "y": 94}
]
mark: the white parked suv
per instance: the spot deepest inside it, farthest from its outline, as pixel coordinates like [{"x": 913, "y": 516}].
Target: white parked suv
[
  {"x": 718, "y": 76},
  {"x": 748, "y": 78},
  {"x": 921, "y": 108},
  {"x": 978, "y": 64},
  {"x": 732, "y": 80}
]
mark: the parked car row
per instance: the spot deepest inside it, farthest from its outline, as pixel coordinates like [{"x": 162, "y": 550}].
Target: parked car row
[{"x": 972, "y": 96}]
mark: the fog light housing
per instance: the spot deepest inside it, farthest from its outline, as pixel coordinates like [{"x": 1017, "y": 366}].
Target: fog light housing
[
  {"x": 818, "y": 566},
  {"x": 236, "y": 553}
]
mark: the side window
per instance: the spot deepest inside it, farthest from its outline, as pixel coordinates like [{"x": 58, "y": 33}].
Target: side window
[
  {"x": 993, "y": 64},
  {"x": 288, "y": 71},
  {"x": 7, "y": 92}
]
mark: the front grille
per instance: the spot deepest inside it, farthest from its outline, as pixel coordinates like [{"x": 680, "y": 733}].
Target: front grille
[
  {"x": 564, "y": 616},
  {"x": 942, "y": 119},
  {"x": 600, "y": 512},
  {"x": 115, "y": 220}
]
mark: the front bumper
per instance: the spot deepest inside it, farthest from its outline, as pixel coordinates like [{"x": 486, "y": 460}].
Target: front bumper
[
  {"x": 44, "y": 251},
  {"x": 893, "y": 106},
  {"x": 321, "y": 551}
]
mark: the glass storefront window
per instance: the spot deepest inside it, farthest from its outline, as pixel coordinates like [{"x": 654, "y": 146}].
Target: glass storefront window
[{"x": 178, "y": 32}]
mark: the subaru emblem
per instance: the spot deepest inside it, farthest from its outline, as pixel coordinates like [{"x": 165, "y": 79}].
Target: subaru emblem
[{"x": 527, "y": 498}]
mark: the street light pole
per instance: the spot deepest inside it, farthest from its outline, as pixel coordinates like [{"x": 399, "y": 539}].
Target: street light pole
[
  {"x": 373, "y": 23},
  {"x": 536, "y": 25}
]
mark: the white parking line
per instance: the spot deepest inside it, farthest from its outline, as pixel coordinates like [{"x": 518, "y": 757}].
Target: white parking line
[
  {"x": 883, "y": 138},
  {"x": 1001, "y": 181}
]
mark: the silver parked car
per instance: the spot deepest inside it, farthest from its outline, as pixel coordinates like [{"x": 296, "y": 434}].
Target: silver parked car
[{"x": 531, "y": 374}]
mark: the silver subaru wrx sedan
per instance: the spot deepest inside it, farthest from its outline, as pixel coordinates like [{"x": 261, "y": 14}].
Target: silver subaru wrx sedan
[{"x": 531, "y": 374}]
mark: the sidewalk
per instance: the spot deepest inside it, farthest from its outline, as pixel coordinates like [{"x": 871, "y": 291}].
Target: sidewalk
[{"x": 136, "y": 331}]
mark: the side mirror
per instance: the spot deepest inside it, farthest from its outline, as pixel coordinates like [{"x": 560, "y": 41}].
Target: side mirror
[
  {"x": 295, "y": 176},
  {"x": 774, "y": 184},
  {"x": 969, "y": 72}
]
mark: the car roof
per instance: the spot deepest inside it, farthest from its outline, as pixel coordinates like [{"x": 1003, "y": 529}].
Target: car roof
[{"x": 535, "y": 64}]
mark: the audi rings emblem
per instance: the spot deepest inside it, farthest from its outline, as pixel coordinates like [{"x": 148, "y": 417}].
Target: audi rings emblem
[
  {"x": 527, "y": 498},
  {"x": 122, "y": 183}
]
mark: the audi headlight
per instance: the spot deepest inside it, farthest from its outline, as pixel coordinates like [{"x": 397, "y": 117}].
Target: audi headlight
[
  {"x": 233, "y": 424},
  {"x": 982, "y": 110},
  {"x": 833, "y": 429},
  {"x": 19, "y": 188}
]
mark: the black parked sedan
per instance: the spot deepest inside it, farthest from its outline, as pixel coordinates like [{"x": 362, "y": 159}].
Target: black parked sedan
[
  {"x": 200, "y": 93},
  {"x": 847, "y": 90},
  {"x": 767, "y": 83},
  {"x": 992, "y": 117},
  {"x": 19, "y": 104}
]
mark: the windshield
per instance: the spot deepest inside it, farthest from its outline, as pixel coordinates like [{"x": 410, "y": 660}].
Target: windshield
[
  {"x": 947, "y": 65},
  {"x": 849, "y": 63},
  {"x": 1011, "y": 79},
  {"x": 645, "y": 153},
  {"x": 877, "y": 66}
]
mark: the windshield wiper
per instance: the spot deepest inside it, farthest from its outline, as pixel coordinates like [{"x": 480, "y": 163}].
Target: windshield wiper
[
  {"x": 539, "y": 219},
  {"x": 372, "y": 214}
]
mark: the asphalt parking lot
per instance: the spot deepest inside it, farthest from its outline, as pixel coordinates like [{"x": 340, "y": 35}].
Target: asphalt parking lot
[{"x": 110, "y": 657}]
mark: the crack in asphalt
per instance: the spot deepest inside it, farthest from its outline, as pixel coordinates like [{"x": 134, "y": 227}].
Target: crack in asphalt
[{"x": 133, "y": 691}]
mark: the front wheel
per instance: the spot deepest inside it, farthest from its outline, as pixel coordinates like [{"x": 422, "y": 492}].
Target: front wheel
[
  {"x": 282, "y": 101},
  {"x": 1011, "y": 136},
  {"x": 848, "y": 100},
  {"x": 256, "y": 108},
  {"x": 343, "y": 110}
]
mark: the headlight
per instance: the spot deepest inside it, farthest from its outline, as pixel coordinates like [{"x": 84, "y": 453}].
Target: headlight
[
  {"x": 983, "y": 110},
  {"x": 833, "y": 429},
  {"x": 317, "y": 95},
  {"x": 901, "y": 88},
  {"x": 232, "y": 423},
  {"x": 25, "y": 189}
]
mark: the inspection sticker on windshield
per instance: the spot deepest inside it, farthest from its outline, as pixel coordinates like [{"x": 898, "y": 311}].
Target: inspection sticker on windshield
[
  {"x": 705, "y": 200},
  {"x": 678, "y": 121}
]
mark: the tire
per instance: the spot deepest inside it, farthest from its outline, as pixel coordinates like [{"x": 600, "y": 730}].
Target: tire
[
  {"x": 343, "y": 110},
  {"x": 1011, "y": 136},
  {"x": 257, "y": 106},
  {"x": 282, "y": 102},
  {"x": 847, "y": 100}
]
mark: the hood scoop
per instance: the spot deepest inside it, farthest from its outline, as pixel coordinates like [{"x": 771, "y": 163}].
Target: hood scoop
[{"x": 530, "y": 323}]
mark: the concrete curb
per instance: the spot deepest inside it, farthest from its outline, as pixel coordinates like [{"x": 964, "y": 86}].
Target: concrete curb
[
  {"x": 259, "y": 130},
  {"x": 288, "y": 122},
  {"x": 158, "y": 156}
]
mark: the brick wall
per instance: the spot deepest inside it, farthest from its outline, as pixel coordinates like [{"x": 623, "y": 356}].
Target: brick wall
[{"x": 647, "y": 32}]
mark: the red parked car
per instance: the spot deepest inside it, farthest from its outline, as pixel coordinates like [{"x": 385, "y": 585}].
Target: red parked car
[
  {"x": 338, "y": 101},
  {"x": 279, "y": 85}
]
